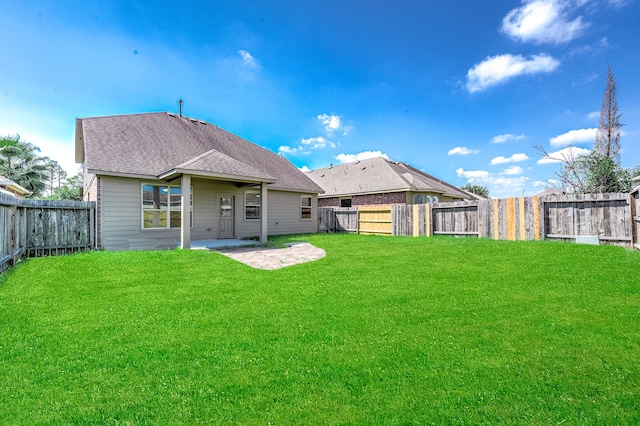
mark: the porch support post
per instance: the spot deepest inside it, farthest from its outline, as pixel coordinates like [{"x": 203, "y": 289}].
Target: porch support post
[
  {"x": 185, "y": 226},
  {"x": 263, "y": 212}
]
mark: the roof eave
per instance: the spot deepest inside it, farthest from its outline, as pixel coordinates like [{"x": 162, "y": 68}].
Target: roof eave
[
  {"x": 222, "y": 176},
  {"x": 299, "y": 190},
  {"x": 98, "y": 172},
  {"x": 79, "y": 148}
]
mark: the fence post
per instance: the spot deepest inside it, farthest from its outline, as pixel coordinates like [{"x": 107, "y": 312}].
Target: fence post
[
  {"x": 629, "y": 219},
  {"x": 12, "y": 241}
]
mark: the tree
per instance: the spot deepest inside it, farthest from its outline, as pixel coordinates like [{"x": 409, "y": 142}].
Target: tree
[
  {"x": 480, "y": 190},
  {"x": 20, "y": 162},
  {"x": 598, "y": 171},
  {"x": 56, "y": 176},
  {"x": 590, "y": 173},
  {"x": 608, "y": 134},
  {"x": 69, "y": 190},
  {"x": 603, "y": 174}
]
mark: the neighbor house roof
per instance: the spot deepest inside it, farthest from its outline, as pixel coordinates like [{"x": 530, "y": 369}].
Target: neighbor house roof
[
  {"x": 379, "y": 175},
  {"x": 162, "y": 145},
  {"x": 549, "y": 191},
  {"x": 473, "y": 196},
  {"x": 12, "y": 187}
]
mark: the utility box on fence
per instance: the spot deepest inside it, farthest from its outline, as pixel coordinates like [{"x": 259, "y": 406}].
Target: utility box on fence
[{"x": 588, "y": 239}]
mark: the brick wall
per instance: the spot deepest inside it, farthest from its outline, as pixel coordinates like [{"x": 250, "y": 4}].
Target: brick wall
[
  {"x": 329, "y": 202},
  {"x": 368, "y": 199},
  {"x": 385, "y": 198}
]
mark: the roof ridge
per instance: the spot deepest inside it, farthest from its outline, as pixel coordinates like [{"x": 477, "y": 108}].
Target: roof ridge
[
  {"x": 187, "y": 163},
  {"x": 196, "y": 158},
  {"x": 125, "y": 115},
  {"x": 440, "y": 181}
]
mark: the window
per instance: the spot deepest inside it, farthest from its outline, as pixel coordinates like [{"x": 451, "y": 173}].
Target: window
[
  {"x": 161, "y": 206},
  {"x": 305, "y": 207},
  {"x": 345, "y": 202},
  {"x": 252, "y": 205}
]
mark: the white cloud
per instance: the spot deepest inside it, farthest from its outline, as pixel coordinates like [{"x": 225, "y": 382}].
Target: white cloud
[
  {"x": 507, "y": 137},
  {"x": 317, "y": 143},
  {"x": 515, "y": 158},
  {"x": 543, "y": 21},
  {"x": 462, "y": 150},
  {"x": 513, "y": 170},
  {"x": 498, "y": 185},
  {"x": 350, "y": 158},
  {"x": 574, "y": 136},
  {"x": 306, "y": 146},
  {"x": 545, "y": 183},
  {"x": 563, "y": 155},
  {"x": 247, "y": 58},
  {"x": 593, "y": 115},
  {"x": 285, "y": 149},
  {"x": 304, "y": 169},
  {"x": 472, "y": 174},
  {"x": 333, "y": 123},
  {"x": 501, "y": 68},
  {"x": 618, "y": 3}
]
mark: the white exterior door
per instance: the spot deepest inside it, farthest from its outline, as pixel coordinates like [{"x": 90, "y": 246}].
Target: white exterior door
[{"x": 226, "y": 215}]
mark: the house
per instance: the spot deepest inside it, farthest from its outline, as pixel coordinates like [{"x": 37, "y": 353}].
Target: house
[
  {"x": 549, "y": 192},
  {"x": 7, "y": 186},
  {"x": 139, "y": 168},
  {"x": 380, "y": 181}
]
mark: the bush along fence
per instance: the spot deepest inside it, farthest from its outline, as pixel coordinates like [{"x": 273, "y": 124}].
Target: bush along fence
[
  {"x": 34, "y": 228},
  {"x": 589, "y": 218}
]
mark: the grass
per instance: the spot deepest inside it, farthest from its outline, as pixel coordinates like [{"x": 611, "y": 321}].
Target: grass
[{"x": 381, "y": 331}]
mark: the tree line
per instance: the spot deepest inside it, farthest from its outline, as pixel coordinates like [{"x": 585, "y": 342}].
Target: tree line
[{"x": 21, "y": 162}]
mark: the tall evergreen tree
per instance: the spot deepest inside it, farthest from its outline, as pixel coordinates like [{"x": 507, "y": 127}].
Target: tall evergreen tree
[{"x": 608, "y": 134}]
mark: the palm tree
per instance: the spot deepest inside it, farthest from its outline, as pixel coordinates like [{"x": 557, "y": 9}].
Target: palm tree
[{"x": 20, "y": 162}]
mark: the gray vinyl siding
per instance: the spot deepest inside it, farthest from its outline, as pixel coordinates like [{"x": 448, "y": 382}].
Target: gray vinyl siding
[
  {"x": 121, "y": 214},
  {"x": 284, "y": 214}
]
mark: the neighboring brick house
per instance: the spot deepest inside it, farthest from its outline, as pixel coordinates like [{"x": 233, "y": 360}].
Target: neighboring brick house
[{"x": 380, "y": 181}]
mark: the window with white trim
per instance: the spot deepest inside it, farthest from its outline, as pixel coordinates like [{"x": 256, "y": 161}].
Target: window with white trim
[
  {"x": 252, "y": 205},
  {"x": 305, "y": 207},
  {"x": 162, "y": 206}
]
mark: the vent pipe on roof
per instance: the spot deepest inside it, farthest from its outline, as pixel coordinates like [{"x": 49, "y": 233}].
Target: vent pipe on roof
[{"x": 180, "y": 105}]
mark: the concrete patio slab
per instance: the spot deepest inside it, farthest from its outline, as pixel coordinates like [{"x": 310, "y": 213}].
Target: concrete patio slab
[
  {"x": 274, "y": 258},
  {"x": 218, "y": 244}
]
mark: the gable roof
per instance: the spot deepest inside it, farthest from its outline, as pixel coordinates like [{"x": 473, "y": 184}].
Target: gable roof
[
  {"x": 162, "y": 145},
  {"x": 379, "y": 175}
]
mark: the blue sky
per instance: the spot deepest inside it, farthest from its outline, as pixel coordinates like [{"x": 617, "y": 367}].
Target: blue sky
[{"x": 461, "y": 89}]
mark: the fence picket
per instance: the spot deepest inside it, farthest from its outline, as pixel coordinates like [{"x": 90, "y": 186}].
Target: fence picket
[
  {"x": 613, "y": 218},
  {"x": 38, "y": 228}
]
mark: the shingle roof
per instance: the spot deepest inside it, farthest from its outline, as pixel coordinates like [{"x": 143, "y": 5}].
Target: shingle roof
[
  {"x": 379, "y": 175},
  {"x": 155, "y": 144}
]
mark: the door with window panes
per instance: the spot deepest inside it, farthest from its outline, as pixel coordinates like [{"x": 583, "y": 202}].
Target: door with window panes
[{"x": 226, "y": 224}]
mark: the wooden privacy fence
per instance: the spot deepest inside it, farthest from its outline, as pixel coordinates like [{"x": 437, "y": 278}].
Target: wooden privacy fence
[
  {"x": 34, "y": 228},
  {"x": 607, "y": 218},
  {"x": 635, "y": 213}
]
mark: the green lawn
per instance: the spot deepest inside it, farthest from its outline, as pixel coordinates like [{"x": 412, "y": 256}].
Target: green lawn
[{"x": 381, "y": 331}]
